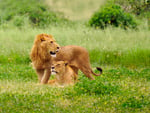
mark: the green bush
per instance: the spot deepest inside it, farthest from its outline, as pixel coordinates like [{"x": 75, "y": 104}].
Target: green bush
[
  {"x": 112, "y": 15},
  {"x": 141, "y": 8},
  {"x": 39, "y": 14},
  {"x": 18, "y": 21},
  {"x": 137, "y": 7}
]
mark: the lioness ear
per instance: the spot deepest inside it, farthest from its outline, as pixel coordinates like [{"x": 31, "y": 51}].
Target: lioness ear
[{"x": 66, "y": 63}]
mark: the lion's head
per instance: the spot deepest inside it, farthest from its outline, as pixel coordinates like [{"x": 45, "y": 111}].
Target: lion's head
[
  {"x": 44, "y": 46},
  {"x": 59, "y": 67}
]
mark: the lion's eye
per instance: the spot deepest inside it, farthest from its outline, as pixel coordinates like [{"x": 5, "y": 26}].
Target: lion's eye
[{"x": 51, "y": 42}]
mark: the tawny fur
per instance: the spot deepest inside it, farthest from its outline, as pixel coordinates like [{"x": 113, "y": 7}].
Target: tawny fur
[
  {"x": 78, "y": 58},
  {"x": 65, "y": 75},
  {"x": 40, "y": 56}
]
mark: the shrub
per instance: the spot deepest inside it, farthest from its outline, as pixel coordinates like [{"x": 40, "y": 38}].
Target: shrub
[
  {"x": 112, "y": 15},
  {"x": 39, "y": 14},
  {"x": 137, "y": 7},
  {"x": 141, "y": 8},
  {"x": 18, "y": 21}
]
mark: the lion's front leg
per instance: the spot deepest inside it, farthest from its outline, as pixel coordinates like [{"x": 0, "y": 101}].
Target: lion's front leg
[
  {"x": 46, "y": 76},
  {"x": 40, "y": 73}
]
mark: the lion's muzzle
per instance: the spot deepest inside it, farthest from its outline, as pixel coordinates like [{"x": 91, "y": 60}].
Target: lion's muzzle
[
  {"x": 53, "y": 71},
  {"x": 53, "y": 54}
]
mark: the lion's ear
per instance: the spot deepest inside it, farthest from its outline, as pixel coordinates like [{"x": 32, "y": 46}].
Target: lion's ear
[{"x": 42, "y": 39}]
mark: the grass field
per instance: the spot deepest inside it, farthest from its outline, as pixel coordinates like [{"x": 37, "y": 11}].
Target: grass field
[
  {"x": 123, "y": 87},
  {"x": 124, "y": 55}
]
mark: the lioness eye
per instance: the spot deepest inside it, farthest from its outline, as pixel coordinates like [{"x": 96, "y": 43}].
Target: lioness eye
[
  {"x": 58, "y": 64},
  {"x": 51, "y": 42}
]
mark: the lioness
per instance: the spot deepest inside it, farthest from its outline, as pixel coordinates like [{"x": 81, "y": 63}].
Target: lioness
[
  {"x": 65, "y": 75},
  {"x": 43, "y": 46},
  {"x": 78, "y": 58}
]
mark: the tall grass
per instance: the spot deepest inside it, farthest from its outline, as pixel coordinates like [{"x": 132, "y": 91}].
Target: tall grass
[{"x": 110, "y": 46}]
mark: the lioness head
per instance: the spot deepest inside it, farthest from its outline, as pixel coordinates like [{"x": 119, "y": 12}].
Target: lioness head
[
  {"x": 59, "y": 67},
  {"x": 48, "y": 43}
]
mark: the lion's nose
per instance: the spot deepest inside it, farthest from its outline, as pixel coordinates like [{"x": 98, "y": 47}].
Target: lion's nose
[
  {"x": 58, "y": 47},
  {"x": 52, "y": 67}
]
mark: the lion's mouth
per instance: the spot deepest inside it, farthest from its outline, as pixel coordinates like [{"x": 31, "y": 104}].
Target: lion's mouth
[
  {"x": 53, "y": 72},
  {"x": 53, "y": 54}
]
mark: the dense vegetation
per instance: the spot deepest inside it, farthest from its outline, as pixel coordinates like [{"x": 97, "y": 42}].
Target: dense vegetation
[
  {"x": 112, "y": 15},
  {"x": 138, "y": 7},
  {"x": 124, "y": 56},
  {"x": 119, "y": 13},
  {"x": 33, "y": 12}
]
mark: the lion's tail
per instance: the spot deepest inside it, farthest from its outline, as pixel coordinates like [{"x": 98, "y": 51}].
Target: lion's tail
[{"x": 99, "y": 69}]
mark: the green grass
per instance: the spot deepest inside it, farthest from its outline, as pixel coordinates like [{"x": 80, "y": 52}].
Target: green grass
[
  {"x": 123, "y": 87},
  {"x": 119, "y": 89},
  {"x": 124, "y": 55},
  {"x": 110, "y": 46}
]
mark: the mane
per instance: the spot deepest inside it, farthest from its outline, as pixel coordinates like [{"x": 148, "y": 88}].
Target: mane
[{"x": 38, "y": 54}]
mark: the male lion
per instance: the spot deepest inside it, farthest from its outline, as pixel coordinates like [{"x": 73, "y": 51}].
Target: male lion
[
  {"x": 65, "y": 75},
  {"x": 43, "y": 46},
  {"x": 78, "y": 58}
]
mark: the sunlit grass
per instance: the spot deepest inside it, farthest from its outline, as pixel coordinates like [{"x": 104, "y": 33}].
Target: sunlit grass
[
  {"x": 110, "y": 46},
  {"x": 124, "y": 55},
  {"x": 121, "y": 90}
]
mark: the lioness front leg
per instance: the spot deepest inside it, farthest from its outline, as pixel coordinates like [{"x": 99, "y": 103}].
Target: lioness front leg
[
  {"x": 46, "y": 76},
  {"x": 52, "y": 82}
]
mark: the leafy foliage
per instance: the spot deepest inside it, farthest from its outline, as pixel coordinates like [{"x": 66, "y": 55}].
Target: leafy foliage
[
  {"x": 141, "y": 8},
  {"x": 38, "y": 13},
  {"x": 112, "y": 15},
  {"x": 137, "y": 7}
]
